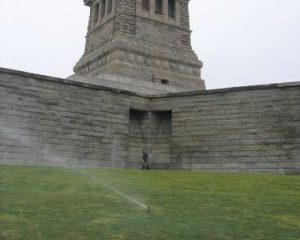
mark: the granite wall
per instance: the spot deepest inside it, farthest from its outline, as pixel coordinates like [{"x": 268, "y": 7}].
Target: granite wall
[
  {"x": 148, "y": 47},
  {"x": 48, "y": 121},
  {"x": 249, "y": 129},
  {"x": 51, "y": 121}
]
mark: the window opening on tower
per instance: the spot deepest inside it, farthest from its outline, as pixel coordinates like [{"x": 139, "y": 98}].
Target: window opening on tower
[
  {"x": 171, "y": 8},
  {"x": 96, "y": 12},
  {"x": 103, "y": 6},
  {"x": 158, "y": 7},
  {"x": 109, "y": 6},
  {"x": 146, "y": 5}
]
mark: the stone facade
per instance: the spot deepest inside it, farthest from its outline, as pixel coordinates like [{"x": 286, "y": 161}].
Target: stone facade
[
  {"x": 51, "y": 121},
  {"x": 132, "y": 92},
  {"x": 247, "y": 129},
  {"x": 147, "y": 46}
]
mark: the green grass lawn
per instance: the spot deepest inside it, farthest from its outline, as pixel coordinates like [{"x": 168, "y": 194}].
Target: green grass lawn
[{"x": 60, "y": 203}]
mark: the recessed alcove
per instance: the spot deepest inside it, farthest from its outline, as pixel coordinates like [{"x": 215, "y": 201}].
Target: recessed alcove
[
  {"x": 164, "y": 81},
  {"x": 150, "y": 132},
  {"x": 159, "y": 7},
  {"x": 146, "y": 5}
]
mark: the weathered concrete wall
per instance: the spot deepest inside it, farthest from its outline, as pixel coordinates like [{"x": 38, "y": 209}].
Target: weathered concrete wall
[
  {"x": 254, "y": 129},
  {"x": 46, "y": 120}
]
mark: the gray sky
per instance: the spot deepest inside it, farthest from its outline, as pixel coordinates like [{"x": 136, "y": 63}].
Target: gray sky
[{"x": 241, "y": 42}]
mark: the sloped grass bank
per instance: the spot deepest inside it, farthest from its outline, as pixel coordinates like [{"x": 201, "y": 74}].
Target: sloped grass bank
[{"x": 60, "y": 203}]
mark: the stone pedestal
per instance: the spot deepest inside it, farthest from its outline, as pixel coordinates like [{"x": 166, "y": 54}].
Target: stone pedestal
[{"x": 126, "y": 40}]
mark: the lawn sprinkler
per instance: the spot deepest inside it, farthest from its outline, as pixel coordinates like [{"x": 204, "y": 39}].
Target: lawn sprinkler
[{"x": 149, "y": 210}]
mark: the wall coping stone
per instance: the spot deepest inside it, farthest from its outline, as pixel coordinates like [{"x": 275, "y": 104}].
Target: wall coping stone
[
  {"x": 229, "y": 90},
  {"x": 67, "y": 81},
  {"x": 163, "y": 95}
]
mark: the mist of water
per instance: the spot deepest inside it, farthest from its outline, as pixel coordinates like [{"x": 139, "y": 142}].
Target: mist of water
[
  {"x": 36, "y": 145},
  {"x": 24, "y": 138}
]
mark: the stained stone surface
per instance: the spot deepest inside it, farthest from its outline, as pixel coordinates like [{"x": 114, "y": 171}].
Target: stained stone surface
[
  {"x": 52, "y": 121},
  {"x": 144, "y": 46},
  {"x": 138, "y": 87}
]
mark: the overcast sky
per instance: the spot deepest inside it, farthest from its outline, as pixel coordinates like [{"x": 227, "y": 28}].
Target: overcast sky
[{"x": 241, "y": 42}]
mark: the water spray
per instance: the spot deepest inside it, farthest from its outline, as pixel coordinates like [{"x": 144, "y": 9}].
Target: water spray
[
  {"x": 105, "y": 185},
  {"x": 23, "y": 139}
]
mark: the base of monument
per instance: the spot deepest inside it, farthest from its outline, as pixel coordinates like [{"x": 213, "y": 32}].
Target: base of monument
[{"x": 129, "y": 84}]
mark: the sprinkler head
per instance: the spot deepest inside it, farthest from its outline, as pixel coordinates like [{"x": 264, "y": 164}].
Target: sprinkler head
[{"x": 149, "y": 209}]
